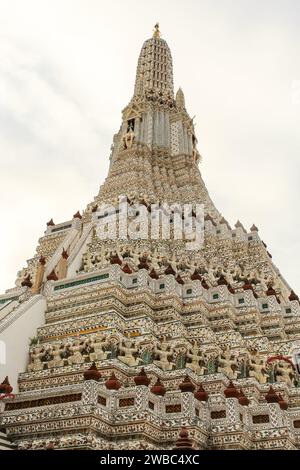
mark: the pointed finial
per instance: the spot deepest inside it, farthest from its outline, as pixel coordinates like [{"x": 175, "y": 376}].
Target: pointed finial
[
  {"x": 254, "y": 228},
  {"x": 156, "y": 33},
  {"x": 180, "y": 101}
]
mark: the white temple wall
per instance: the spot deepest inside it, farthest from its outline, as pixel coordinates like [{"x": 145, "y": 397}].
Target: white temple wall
[{"x": 14, "y": 340}]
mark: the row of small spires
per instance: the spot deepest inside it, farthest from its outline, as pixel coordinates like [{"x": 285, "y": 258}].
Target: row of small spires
[
  {"x": 231, "y": 391},
  {"x": 207, "y": 217},
  {"x": 186, "y": 386},
  {"x": 183, "y": 441},
  {"x": 75, "y": 216},
  {"x": 196, "y": 276},
  {"x": 51, "y": 277}
]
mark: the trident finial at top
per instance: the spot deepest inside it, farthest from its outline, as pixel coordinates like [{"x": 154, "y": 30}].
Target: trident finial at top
[{"x": 156, "y": 33}]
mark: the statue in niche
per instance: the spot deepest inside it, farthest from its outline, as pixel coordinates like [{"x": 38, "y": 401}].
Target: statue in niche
[
  {"x": 129, "y": 352},
  {"x": 210, "y": 275},
  {"x": 284, "y": 373},
  {"x": 129, "y": 138},
  {"x": 257, "y": 368},
  {"x": 195, "y": 359},
  {"x": 228, "y": 364},
  {"x": 100, "y": 344},
  {"x": 36, "y": 359},
  {"x": 76, "y": 353},
  {"x": 87, "y": 349},
  {"x": 112, "y": 347},
  {"x": 47, "y": 355},
  {"x": 164, "y": 353},
  {"x": 65, "y": 351},
  {"x": 56, "y": 360}
]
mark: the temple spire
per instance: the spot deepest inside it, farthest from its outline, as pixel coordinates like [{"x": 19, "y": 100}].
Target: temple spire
[
  {"x": 155, "y": 68},
  {"x": 156, "y": 33},
  {"x": 180, "y": 100}
]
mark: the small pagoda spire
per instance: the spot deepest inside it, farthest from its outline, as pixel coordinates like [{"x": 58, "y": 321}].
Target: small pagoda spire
[
  {"x": 187, "y": 385},
  {"x": 52, "y": 276},
  {"x": 142, "y": 378},
  {"x": 115, "y": 259},
  {"x": 282, "y": 403},
  {"x": 271, "y": 396},
  {"x": 170, "y": 270},
  {"x": 231, "y": 391},
  {"x": 127, "y": 269},
  {"x": 158, "y": 388},
  {"x": 179, "y": 279},
  {"x": 143, "y": 263},
  {"x": 92, "y": 373},
  {"x": 223, "y": 221},
  {"x": 196, "y": 276},
  {"x": 50, "y": 223},
  {"x": 254, "y": 228},
  {"x": 200, "y": 394},
  {"x": 240, "y": 225},
  {"x": 271, "y": 291},
  {"x": 222, "y": 281},
  {"x": 112, "y": 383},
  {"x": 153, "y": 274},
  {"x": 293, "y": 296},
  {"x": 183, "y": 441},
  {"x": 27, "y": 281},
  {"x": 180, "y": 100},
  {"x": 5, "y": 386},
  {"x": 243, "y": 400},
  {"x": 77, "y": 215}
]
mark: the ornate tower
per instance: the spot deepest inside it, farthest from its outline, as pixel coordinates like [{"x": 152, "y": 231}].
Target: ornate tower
[
  {"x": 131, "y": 338},
  {"x": 155, "y": 154}
]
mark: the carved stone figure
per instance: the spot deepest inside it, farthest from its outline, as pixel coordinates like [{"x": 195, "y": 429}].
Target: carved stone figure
[
  {"x": 284, "y": 373},
  {"x": 56, "y": 360},
  {"x": 227, "y": 364},
  {"x": 76, "y": 350},
  {"x": 196, "y": 360},
  {"x": 129, "y": 138},
  {"x": 165, "y": 353},
  {"x": 257, "y": 368},
  {"x": 36, "y": 359},
  {"x": 130, "y": 352},
  {"x": 100, "y": 342}
]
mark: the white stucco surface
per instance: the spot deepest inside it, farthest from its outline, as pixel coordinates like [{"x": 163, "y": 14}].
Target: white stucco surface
[{"x": 14, "y": 339}]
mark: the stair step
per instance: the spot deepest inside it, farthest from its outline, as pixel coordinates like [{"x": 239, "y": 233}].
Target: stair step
[{"x": 5, "y": 443}]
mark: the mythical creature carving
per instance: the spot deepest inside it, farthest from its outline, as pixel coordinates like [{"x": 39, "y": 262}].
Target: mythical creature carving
[
  {"x": 164, "y": 353},
  {"x": 227, "y": 364}
]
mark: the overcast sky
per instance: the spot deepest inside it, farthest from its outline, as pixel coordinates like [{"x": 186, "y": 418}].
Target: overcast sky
[{"x": 67, "y": 69}]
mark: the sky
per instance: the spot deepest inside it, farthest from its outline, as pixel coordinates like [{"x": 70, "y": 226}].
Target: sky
[{"x": 67, "y": 69}]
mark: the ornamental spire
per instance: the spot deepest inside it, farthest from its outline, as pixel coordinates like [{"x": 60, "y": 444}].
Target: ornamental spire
[
  {"x": 156, "y": 33},
  {"x": 155, "y": 69}
]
